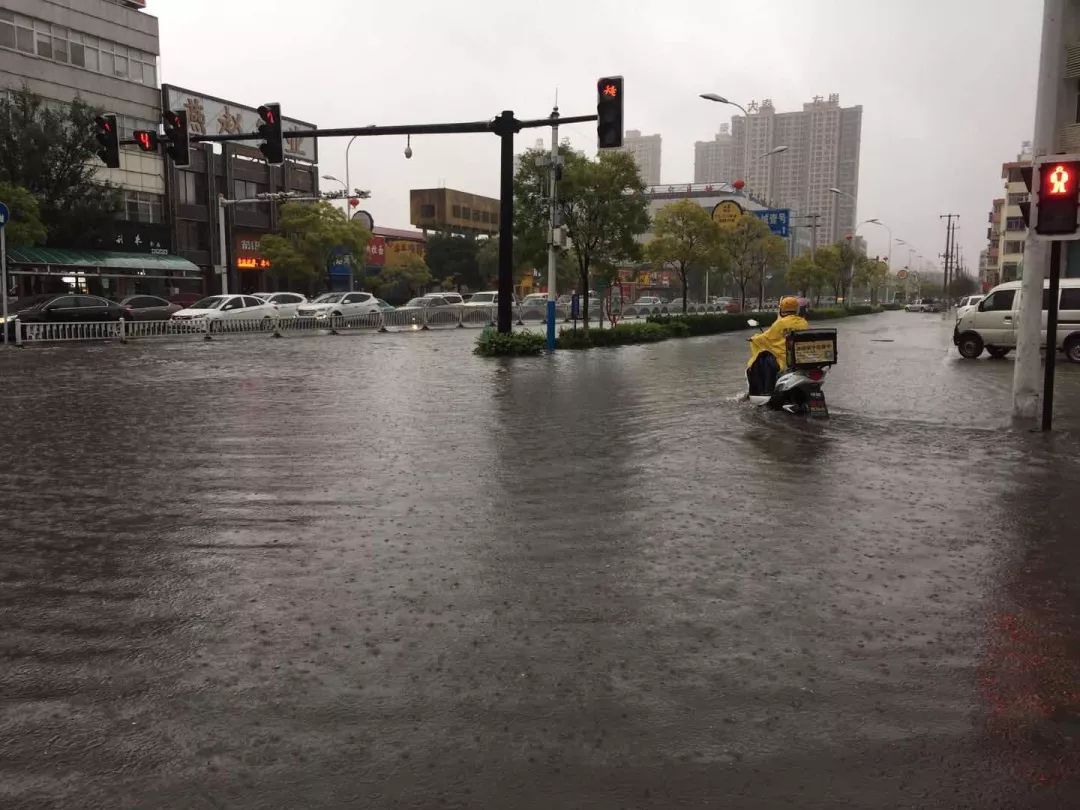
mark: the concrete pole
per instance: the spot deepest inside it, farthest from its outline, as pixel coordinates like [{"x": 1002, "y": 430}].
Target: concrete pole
[
  {"x": 553, "y": 215},
  {"x": 1026, "y": 384},
  {"x": 222, "y": 246}
]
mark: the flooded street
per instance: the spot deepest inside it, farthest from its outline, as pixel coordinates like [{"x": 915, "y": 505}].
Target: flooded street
[{"x": 377, "y": 571}]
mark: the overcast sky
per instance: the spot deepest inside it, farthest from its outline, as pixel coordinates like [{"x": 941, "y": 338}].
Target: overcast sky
[{"x": 946, "y": 86}]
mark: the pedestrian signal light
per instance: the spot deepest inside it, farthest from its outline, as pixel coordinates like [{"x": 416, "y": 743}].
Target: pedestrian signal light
[
  {"x": 272, "y": 147},
  {"x": 146, "y": 139},
  {"x": 609, "y": 112},
  {"x": 176, "y": 132},
  {"x": 108, "y": 140},
  {"x": 1057, "y": 201}
]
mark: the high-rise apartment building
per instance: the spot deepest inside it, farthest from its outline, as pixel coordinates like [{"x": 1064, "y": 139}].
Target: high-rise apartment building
[
  {"x": 823, "y": 143},
  {"x": 714, "y": 161},
  {"x": 646, "y": 152},
  {"x": 1007, "y": 234}
]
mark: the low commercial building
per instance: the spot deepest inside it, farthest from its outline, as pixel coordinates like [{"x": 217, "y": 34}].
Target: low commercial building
[
  {"x": 238, "y": 171},
  {"x": 447, "y": 210}
]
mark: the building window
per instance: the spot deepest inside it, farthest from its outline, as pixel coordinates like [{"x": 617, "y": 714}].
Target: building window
[
  {"x": 140, "y": 206},
  {"x": 465, "y": 212},
  {"x": 1015, "y": 224},
  {"x": 427, "y": 211},
  {"x": 1014, "y": 247},
  {"x": 60, "y": 44},
  {"x": 191, "y": 188},
  {"x": 191, "y": 236},
  {"x": 1021, "y": 197},
  {"x": 456, "y": 210}
]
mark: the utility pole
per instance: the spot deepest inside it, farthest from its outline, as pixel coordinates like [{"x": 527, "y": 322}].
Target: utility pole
[
  {"x": 1049, "y": 96},
  {"x": 948, "y": 253},
  {"x": 554, "y": 170},
  {"x": 813, "y": 234}
]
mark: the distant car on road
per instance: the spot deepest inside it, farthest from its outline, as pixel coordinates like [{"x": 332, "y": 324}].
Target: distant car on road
[
  {"x": 913, "y": 306},
  {"x": 534, "y": 301},
  {"x": 649, "y": 301},
  {"x": 339, "y": 305},
  {"x": 287, "y": 303},
  {"x": 149, "y": 308},
  {"x": 185, "y": 299},
  {"x": 385, "y": 307}
]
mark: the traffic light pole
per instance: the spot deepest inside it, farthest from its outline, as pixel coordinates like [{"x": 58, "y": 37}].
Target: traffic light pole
[
  {"x": 1051, "y": 336},
  {"x": 505, "y": 126}
]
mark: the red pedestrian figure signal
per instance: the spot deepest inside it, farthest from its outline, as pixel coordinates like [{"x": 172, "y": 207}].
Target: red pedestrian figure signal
[
  {"x": 146, "y": 139},
  {"x": 611, "y": 90},
  {"x": 1060, "y": 181}
]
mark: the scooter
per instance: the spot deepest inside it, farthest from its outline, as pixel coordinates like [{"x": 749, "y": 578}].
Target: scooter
[{"x": 797, "y": 390}]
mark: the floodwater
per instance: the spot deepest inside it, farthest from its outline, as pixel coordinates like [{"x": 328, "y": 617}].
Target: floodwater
[{"x": 377, "y": 571}]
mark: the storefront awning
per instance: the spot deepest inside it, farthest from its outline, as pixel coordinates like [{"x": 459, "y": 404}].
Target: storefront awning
[{"x": 58, "y": 261}]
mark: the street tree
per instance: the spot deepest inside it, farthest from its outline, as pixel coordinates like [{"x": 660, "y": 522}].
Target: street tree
[
  {"x": 406, "y": 269},
  {"x": 742, "y": 246},
  {"x": 601, "y": 204},
  {"x": 870, "y": 273},
  {"x": 685, "y": 239},
  {"x": 25, "y": 226},
  {"x": 808, "y": 277},
  {"x": 50, "y": 151},
  {"x": 453, "y": 261},
  {"x": 832, "y": 263},
  {"x": 308, "y": 236}
]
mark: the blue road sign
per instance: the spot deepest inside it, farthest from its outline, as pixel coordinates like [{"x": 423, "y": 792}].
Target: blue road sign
[
  {"x": 778, "y": 219},
  {"x": 5, "y": 214}
]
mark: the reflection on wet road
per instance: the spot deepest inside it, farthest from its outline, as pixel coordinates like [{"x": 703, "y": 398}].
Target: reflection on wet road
[{"x": 378, "y": 571}]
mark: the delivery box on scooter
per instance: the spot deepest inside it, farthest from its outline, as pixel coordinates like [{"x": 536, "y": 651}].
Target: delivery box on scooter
[{"x": 811, "y": 348}]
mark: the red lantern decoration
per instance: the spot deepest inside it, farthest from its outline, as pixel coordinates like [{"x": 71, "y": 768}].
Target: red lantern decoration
[
  {"x": 739, "y": 185},
  {"x": 353, "y": 202}
]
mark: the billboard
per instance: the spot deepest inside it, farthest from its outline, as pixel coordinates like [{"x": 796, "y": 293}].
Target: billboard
[{"x": 209, "y": 115}]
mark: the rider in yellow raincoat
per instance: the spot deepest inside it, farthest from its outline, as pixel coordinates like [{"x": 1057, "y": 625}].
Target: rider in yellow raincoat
[{"x": 772, "y": 340}]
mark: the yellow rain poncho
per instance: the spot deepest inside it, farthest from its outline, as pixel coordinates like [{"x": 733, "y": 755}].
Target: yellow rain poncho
[{"x": 772, "y": 339}]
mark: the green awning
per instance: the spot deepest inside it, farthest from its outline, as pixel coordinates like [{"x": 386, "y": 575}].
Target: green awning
[{"x": 59, "y": 257}]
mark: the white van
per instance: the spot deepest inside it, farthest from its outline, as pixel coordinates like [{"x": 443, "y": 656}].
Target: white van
[{"x": 992, "y": 324}]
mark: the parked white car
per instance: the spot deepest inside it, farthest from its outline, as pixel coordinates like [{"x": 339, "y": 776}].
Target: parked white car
[
  {"x": 483, "y": 299},
  {"x": 967, "y": 304},
  {"x": 228, "y": 307},
  {"x": 534, "y": 301},
  {"x": 287, "y": 302},
  {"x": 339, "y": 305}
]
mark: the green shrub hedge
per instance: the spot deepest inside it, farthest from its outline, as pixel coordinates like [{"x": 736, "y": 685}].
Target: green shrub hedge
[
  {"x": 492, "y": 344},
  {"x": 621, "y": 334}
]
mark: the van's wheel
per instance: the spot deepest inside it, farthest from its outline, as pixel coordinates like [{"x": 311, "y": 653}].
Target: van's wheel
[
  {"x": 1072, "y": 349},
  {"x": 998, "y": 352},
  {"x": 970, "y": 345}
]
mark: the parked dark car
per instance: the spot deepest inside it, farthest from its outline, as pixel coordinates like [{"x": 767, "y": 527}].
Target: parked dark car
[
  {"x": 63, "y": 308},
  {"x": 149, "y": 308},
  {"x": 185, "y": 300}
]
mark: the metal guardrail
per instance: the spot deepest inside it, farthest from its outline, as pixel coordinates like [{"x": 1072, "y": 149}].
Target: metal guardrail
[{"x": 397, "y": 319}]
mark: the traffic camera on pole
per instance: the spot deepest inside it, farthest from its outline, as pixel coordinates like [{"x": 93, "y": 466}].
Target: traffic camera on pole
[
  {"x": 270, "y": 130},
  {"x": 1057, "y": 196},
  {"x": 609, "y": 112},
  {"x": 108, "y": 139},
  {"x": 146, "y": 139},
  {"x": 176, "y": 133}
]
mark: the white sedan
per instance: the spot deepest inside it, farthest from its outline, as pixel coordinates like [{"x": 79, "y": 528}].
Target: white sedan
[
  {"x": 228, "y": 307},
  {"x": 967, "y": 304},
  {"x": 483, "y": 299},
  {"x": 339, "y": 305},
  {"x": 286, "y": 302}
]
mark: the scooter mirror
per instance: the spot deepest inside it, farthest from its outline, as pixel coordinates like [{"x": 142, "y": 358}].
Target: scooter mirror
[{"x": 751, "y": 322}]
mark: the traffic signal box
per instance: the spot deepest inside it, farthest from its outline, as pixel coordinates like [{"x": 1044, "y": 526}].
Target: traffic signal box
[
  {"x": 176, "y": 133},
  {"x": 1055, "y": 197},
  {"x": 609, "y": 112},
  {"x": 108, "y": 139},
  {"x": 272, "y": 147}
]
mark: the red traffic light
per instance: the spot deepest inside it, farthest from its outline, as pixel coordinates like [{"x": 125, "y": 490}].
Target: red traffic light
[
  {"x": 146, "y": 140},
  {"x": 1059, "y": 180},
  {"x": 266, "y": 113},
  {"x": 609, "y": 90}
]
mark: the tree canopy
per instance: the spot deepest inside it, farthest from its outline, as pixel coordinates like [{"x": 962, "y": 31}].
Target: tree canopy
[
  {"x": 406, "y": 269},
  {"x": 686, "y": 239},
  {"x": 308, "y": 234},
  {"x": 748, "y": 248},
  {"x": 50, "y": 151},
  {"x": 25, "y": 227},
  {"x": 601, "y": 204}
]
